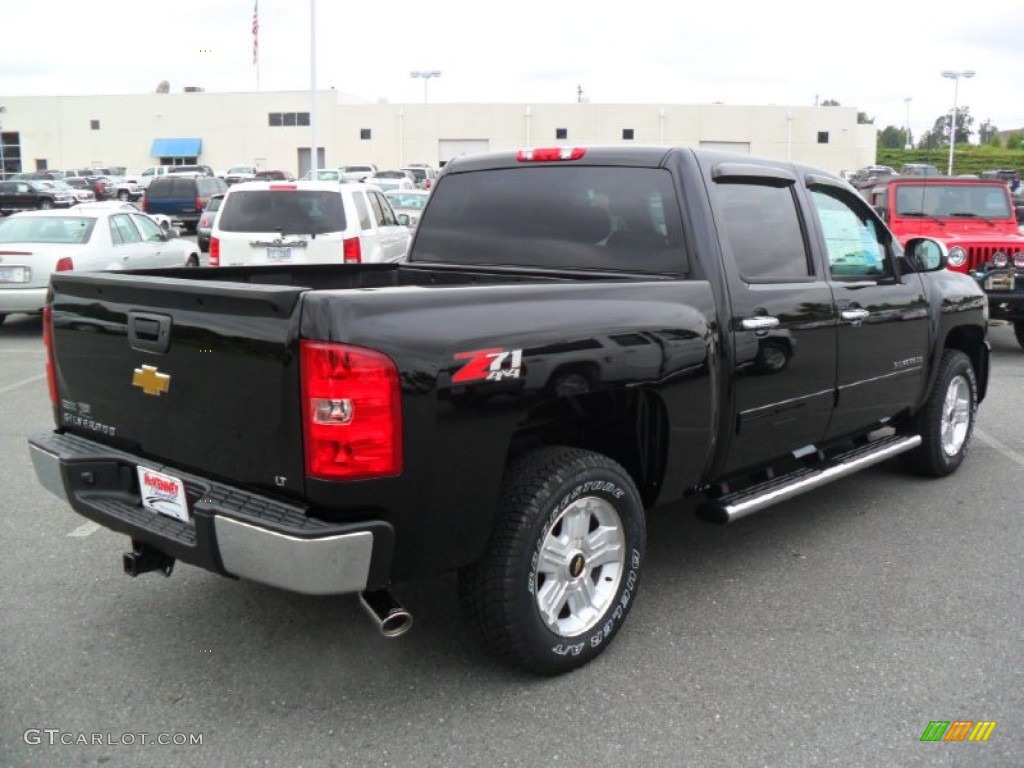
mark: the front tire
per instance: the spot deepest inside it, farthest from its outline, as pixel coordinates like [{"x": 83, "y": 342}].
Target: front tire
[
  {"x": 1018, "y": 331},
  {"x": 563, "y": 565},
  {"x": 946, "y": 422}
]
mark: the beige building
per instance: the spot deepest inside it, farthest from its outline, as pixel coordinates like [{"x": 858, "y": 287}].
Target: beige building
[{"x": 273, "y": 130}]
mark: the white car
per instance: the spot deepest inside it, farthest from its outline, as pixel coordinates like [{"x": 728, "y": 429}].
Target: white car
[
  {"x": 89, "y": 237},
  {"x": 389, "y": 180},
  {"x": 306, "y": 222}
]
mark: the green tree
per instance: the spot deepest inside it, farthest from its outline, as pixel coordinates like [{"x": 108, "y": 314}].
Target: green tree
[
  {"x": 863, "y": 119},
  {"x": 988, "y": 133},
  {"x": 892, "y": 137},
  {"x": 1015, "y": 140},
  {"x": 830, "y": 103},
  {"x": 940, "y": 130}
]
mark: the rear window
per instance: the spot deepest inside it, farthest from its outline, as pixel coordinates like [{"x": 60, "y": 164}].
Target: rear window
[
  {"x": 50, "y": 229},
  {"x": 288, "y": 211},
  {"x": 618, "y": 219},
  {"x": 169, "y": 186}
]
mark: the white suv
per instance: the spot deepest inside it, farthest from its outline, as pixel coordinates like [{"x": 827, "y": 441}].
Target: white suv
[{"x": 306, "y": 222}]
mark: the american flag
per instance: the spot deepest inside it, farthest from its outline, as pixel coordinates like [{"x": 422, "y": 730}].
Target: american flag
[{"x": 256, "y": 33}]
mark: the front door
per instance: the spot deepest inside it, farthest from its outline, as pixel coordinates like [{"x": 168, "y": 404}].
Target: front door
[{"x": 883, "y": 316}]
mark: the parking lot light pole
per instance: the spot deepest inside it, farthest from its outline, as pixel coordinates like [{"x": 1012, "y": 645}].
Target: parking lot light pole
[
  {"x": 426, "y": 74},
  {"x": 954, "y": 75},
  {"x": 907, "y": 144}
]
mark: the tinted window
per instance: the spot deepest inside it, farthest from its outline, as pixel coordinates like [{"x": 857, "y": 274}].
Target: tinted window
[
  {"x": 556, "y": 216},
  {"x": 762, "y": 230},
  {"x": 295, "y": 211}
]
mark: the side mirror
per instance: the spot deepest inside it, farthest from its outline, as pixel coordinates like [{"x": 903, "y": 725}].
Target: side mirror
[
  {"x": 171, "y": 232},
  {"x": 926, "y": 255},
  {"x": 1020, "y": 213},
  {"x": 403, "y": 218}
]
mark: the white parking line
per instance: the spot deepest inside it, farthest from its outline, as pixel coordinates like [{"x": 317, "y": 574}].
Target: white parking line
[
  {"x": 86, "y": 529},
  {"x": 1008, "y": 452},
  {"x": 17, "y": 384}
]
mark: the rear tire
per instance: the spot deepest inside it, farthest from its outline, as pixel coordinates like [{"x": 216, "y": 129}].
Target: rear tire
[
  {"x": 1018, "y": 331},
  {"x": 946, "y": 422},
  {"x": 563, "y": 565},
  {"x": 123, "y": 196},
  {"x": 193, "y": 261}
]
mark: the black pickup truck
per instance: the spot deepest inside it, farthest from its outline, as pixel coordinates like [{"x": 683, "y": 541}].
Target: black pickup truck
[{"x": 578, "y": 335}]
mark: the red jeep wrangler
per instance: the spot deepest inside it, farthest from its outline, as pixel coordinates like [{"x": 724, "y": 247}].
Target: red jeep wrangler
[{"x": 975, "y": 219}]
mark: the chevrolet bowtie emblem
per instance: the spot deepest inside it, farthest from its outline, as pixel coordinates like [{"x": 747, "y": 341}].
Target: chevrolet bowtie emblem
[{"x": 151, "y": 380}]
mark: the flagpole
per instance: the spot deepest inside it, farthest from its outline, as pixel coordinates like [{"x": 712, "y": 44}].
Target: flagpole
[{"x": 256, "y": 40}]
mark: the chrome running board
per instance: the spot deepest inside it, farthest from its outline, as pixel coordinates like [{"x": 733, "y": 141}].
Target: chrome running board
[{"x": 733, "y": 506}]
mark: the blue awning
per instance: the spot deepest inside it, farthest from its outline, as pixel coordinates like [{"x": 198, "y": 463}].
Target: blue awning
[{"x": 176, "y": 147}]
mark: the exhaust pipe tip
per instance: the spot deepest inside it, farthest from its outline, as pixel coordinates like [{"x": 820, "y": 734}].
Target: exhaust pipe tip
[{"x": 390, "y": 616}]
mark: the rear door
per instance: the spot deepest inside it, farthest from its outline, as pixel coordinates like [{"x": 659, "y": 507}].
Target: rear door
[
  {"x": 130, "y": 247},
  {"x": 783, "y": 328},
  {"x": 389, "y": 237}
]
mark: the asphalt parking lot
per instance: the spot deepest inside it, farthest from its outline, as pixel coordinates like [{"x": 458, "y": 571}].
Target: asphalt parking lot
[{"x": 827, "y": 631}]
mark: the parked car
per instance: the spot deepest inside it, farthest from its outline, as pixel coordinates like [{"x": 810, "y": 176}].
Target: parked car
[
  {"x": 102, "y": 186},
  {"x": 262, "y": 222},
  {"x": 38, "y": 243},
  {"x": 182, "y": 197},
  {"x": 205, "y": 225},
  {"x": 239, "y": 173},
  {"x": 918, "y": 169},
  {"x": 82, "y": 194},
  {"x": 274, "y": 176},
  {"x": 28, "y": 194},
  {"x": 423, "y": 174},
  {"x": 117, "y": 205},
  {"x": 388, "y": 180},
  {"x": 125, "y": 189},
  {"x": 83, "y": 189},
  {"x": 408, "y": 204},
  {"x": 357, "y": 172},
  {"x": 1009, "y": 175},
  {"x": 323, "y": 174}
]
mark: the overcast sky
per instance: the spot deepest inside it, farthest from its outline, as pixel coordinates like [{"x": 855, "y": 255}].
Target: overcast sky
[{"x": 868, "y": 54}]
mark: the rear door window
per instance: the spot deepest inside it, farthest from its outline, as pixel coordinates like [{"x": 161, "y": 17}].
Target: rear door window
[{"x": 122, "y": 231}]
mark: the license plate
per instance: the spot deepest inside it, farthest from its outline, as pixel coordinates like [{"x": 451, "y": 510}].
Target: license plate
[
  {"x": 279, "y": 254},
  {"x": 14, "y": 274},
  {"x": 163, "y": 494}
]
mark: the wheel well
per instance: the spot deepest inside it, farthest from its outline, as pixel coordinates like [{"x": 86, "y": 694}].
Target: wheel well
[
  {"x": 628, "y": 426},
  {"x": 970, "y": 340}
]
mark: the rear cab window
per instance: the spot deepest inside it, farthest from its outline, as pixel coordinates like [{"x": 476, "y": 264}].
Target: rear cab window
[{"x": 583, "y": 217}]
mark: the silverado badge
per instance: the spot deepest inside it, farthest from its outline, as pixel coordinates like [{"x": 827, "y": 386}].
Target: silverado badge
[{"x": 151, "y": 380}]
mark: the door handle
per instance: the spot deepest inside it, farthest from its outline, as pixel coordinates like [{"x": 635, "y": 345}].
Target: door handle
[
  {"x": 759, "y": 323},
  {"x": 854, "y": 315}
]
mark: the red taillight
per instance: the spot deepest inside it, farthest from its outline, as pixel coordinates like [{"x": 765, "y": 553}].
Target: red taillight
[
  {"x": 145, "y": 205},
  {"x": 199, "y": 203},
  {"x": 284, "y": 186},
  {"x": 64, "y": 264},
  {"x": 352, "y": 250},
  {"x": 214, "y": 251},
  {"x": 545, "y": 154},
  {"x": 51, "y": 371},
  {"x": 352, "y": 412}
]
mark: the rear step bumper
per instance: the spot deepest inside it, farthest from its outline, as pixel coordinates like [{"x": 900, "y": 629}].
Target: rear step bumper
[
  {"x": 230, "y": 531},
  {"x": 730, "y": 507}
]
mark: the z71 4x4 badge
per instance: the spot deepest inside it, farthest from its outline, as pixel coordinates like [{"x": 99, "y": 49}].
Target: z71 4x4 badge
[{"x": 489, "y": 365}]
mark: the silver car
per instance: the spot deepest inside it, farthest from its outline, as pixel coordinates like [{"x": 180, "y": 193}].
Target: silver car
[{"x": 205, "y": 225}]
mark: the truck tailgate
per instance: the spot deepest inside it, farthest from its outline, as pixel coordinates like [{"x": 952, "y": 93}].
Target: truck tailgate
[{"x": 196, "y": 374}]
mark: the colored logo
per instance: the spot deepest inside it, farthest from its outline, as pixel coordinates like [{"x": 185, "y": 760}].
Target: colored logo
[
  {"x": 958, "y": 730},
  {"x": 151, "y": 381},
  {"x": 489, "y": 365}
]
